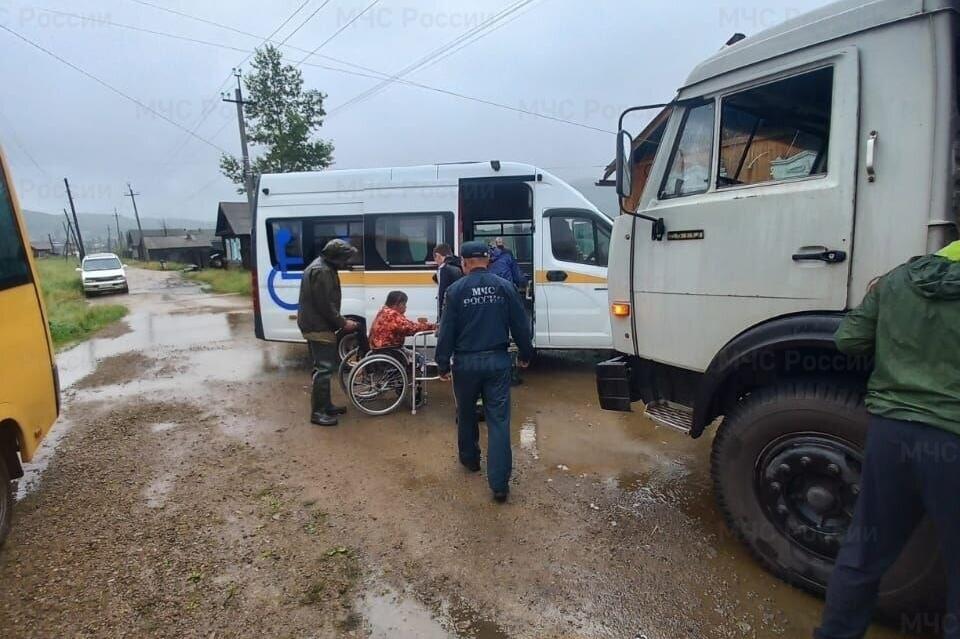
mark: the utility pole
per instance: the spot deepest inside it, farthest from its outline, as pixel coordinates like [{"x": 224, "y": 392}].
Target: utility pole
[
  {"x": 70, "y": 233},
  {"x": 247, "y": 173},
  {"x": 76, "y": 222},
  {"x": 66, "y": 242},
  {"x": 133, "y": 198},
  {"x": 116, "y": 216},
  {"x": 53, "y": 247},
  {"x": 108, "y": 239}
]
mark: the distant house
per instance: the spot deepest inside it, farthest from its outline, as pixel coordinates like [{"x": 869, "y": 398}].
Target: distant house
[
  {"x": 190, "y": 248},
  {"x": 42, "y": 249},
  {"x": 234, "y": 224},
  {"x": 135, "y": 248}
]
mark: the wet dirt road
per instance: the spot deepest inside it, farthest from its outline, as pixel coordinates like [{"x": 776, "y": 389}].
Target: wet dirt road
[{"x": 184, "y": 493}]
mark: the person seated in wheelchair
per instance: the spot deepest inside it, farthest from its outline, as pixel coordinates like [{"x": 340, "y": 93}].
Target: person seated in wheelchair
[{"x": 391, "y": 327}]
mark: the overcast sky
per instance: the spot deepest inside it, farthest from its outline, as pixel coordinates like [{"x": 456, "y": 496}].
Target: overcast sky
[{"x": 578, "y": 60}]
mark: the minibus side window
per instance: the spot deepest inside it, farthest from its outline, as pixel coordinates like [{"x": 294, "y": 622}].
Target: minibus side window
[
  {"x": 580, "y": 239},
  {"x": 14, "y": 269},
  {"x": 323, "y": 230},
  {"x": 308, "y": 236},
  {"x": 292, "y": 251},
  {"x": 406, "y": 240}
]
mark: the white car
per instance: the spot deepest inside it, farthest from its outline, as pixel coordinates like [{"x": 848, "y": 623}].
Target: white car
[{"x": 103, "y": 272}]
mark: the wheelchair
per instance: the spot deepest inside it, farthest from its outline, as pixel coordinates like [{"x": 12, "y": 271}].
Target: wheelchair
[{"x": 379, "y": 380}]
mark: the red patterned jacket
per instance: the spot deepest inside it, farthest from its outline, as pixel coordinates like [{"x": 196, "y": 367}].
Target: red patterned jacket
[{"x": 390, "y": 328}]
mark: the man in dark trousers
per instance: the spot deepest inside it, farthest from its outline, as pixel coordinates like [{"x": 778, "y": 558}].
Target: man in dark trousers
[
  {"x": 319, "y": 320},
  {"x": 480, "y": 314},
  {"x": 449, "y": 270},
  {"x": 910, "y": 322}
]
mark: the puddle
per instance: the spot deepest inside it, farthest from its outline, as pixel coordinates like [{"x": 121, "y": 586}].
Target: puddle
[
  {"x": 392, "y": 615},
  {"x": 528, "y": 438},
  {"x": 162, "y": 427},
  {"x": 149, "y": 331},
  {"x": 159, "y": 489}
]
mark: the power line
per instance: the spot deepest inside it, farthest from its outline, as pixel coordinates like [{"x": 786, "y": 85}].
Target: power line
[
  {"x": 309, "y": 18},
  {"x": 108, "y": 86},
  {"x": 213, "y": 104},
  {"x": 373, "y": 74},
  {"x": 499, "y": 26},
  {"x": 338, "y": 31},
  {"x": 484, "y": 25}
]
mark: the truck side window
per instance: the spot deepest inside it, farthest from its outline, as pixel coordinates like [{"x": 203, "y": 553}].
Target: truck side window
[
  {"x": 579, "y": 239},
  {"x": 690, "y": 164},
  {"x": 14, "y": 269},
  {"x": 778, "y": 131}
]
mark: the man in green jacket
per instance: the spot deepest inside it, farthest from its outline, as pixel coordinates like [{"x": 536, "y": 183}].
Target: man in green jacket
[
  {"x": 319, "y": 320},
  {"x": 910, "y": 322}
]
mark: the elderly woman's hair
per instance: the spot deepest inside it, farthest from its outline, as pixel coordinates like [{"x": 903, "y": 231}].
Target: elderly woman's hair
[{"x": 396, "y": 297}]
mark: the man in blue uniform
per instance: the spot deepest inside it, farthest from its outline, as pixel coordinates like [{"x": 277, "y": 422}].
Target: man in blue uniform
[{"x": 480, "y": 313}]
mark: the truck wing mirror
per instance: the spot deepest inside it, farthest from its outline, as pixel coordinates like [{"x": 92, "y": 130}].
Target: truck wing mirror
[{"x": 624, "y": 165}]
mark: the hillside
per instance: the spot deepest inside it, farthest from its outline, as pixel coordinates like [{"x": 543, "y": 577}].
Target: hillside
[{"x": 93, "y": 226}]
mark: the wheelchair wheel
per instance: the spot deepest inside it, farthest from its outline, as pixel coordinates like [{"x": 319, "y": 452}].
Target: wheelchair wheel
[
  {"x": 346, "y": 344},
  {"x": 377, "y": 384},
  {"x": 347, "y": 363}
]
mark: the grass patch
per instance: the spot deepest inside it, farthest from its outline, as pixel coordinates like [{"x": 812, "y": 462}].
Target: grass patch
[
  {"x": 155, "y": 266},
  {"x": 222, "y": 281},
  {"x": 71, "y": 317}
]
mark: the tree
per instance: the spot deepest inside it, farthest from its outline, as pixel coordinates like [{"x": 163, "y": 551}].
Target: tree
[{"x": 281, "y": 118}]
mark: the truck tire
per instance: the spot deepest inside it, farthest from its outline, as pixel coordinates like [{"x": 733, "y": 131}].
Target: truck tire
[
  {"x": 6, "y": 499},
  {"x": 786, "y": 469}
]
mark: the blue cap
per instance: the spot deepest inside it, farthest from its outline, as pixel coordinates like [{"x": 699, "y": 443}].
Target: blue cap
[{"x": 474, "y": 249}]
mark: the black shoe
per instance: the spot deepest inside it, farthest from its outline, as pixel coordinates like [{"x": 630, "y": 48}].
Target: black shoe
[
  {"x": 472, "y": 465},
  {"x": 322, "y": 419},
  {"x": 500, "y": 496},
  {"x": 333, "y": 409}
]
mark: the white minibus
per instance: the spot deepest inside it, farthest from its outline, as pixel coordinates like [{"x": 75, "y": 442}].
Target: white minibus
[{"x": 396, "y": 216}]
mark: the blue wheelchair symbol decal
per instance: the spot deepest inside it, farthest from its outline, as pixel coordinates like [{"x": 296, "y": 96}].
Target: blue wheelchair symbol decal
[{"x": 284, "y": 263}]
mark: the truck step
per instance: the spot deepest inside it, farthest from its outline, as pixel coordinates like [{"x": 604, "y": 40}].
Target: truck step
[{"x": 663, "y": 413}]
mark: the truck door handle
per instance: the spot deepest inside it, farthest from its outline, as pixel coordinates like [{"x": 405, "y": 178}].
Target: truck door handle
[
  {"x": 556, "y": 276},
  {"x": 871, "y": 163},
  {"x": 827, "y": 255}
]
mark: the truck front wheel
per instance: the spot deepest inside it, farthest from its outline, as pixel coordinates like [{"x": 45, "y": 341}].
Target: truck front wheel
[{"x": 786, "y": 468}]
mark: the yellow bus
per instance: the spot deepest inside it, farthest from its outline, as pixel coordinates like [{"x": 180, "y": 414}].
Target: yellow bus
[{"x": 29, "y": 383}]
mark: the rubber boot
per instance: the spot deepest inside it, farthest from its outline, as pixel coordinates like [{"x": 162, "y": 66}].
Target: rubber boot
[{"x": 319, "y": 404}]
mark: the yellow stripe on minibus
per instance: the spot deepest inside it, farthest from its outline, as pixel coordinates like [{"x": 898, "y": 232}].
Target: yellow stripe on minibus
[
  {"x": 387, "y": 278},
  {"x": 540, "y": 277}
]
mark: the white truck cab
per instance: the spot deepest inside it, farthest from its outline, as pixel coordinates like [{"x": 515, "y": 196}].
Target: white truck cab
[
  {"x": 793, "y": 168},
  {"x": 396, "y": 216}
]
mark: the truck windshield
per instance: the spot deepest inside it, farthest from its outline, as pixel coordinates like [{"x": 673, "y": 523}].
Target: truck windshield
[{"x": 102, "y": 264}]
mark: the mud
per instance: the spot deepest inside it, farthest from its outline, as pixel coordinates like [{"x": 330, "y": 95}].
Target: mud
[
  {"x": 117, "y": 369},
  {"x": 184, "y": 493}
]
